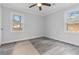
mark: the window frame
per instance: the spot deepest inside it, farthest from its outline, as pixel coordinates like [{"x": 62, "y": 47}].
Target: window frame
[
  {"x": 22, "y": 21},
  {"x": 65, "y": 20}
]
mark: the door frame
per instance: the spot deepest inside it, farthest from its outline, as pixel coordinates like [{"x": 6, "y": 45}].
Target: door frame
[{"x": 0, "y": 24}]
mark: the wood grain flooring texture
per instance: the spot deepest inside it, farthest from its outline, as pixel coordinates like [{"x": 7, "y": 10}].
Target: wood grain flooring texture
[{"x": 39, "y": 46}]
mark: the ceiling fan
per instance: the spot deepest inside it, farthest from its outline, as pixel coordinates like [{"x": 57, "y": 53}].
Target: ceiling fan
[{"x": 39, "y": 5}]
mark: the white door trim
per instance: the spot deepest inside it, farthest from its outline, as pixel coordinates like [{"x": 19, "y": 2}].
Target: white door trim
[{"x": 0, "y": 24}]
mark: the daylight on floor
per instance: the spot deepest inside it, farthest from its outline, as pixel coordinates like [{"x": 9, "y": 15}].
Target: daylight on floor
[{"x": 39, "y": 29}]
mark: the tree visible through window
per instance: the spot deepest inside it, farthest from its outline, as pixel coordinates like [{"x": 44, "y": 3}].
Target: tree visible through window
[{"x": 16, "y": 23}]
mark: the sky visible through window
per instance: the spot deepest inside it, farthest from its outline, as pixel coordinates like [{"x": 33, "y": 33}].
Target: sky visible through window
[
  {"x": 73, "y": 13},
  {"x": 72, "y": 23},
  {"x": 17, "y": 18}
]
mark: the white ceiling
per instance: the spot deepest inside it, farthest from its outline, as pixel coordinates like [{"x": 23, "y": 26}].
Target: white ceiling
[{"x": 24, "y": 7}]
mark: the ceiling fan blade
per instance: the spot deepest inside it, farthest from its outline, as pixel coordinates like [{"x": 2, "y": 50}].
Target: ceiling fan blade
[
  {"x": 40, "y": 8},
  {"x": 32, "y": 5},
  {"x": 46, "y": 4}
]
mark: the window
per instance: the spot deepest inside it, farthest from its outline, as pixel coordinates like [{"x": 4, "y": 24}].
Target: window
[
  {"x": 72, "y": 21},
  {"x": 17, "y": 23}
]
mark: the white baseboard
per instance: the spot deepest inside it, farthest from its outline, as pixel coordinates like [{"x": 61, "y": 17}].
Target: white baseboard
[
  {"x": 62, "y": 40},
  {"x": 21, "y": 39},
  {"x": 48, "y": 36}
]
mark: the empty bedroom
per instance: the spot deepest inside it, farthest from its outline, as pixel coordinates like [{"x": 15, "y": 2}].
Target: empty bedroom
[{"x": 39, "y": 28}]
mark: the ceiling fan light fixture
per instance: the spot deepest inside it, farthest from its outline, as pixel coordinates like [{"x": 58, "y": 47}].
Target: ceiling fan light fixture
[{"x": 39, "y": 4}]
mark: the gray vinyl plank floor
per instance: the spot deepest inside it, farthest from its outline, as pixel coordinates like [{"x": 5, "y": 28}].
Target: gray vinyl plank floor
[
  {"x": 48, "y": 46},
  {"x": 6, "y": 49},
  {"x": 44, "y": 46}
]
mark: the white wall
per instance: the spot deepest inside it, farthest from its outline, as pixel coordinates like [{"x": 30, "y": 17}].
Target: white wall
[
  {"x": 51, "y": 26},
  {"x": 33, "y": 27},
  {"x": 55, "y": 27}
]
